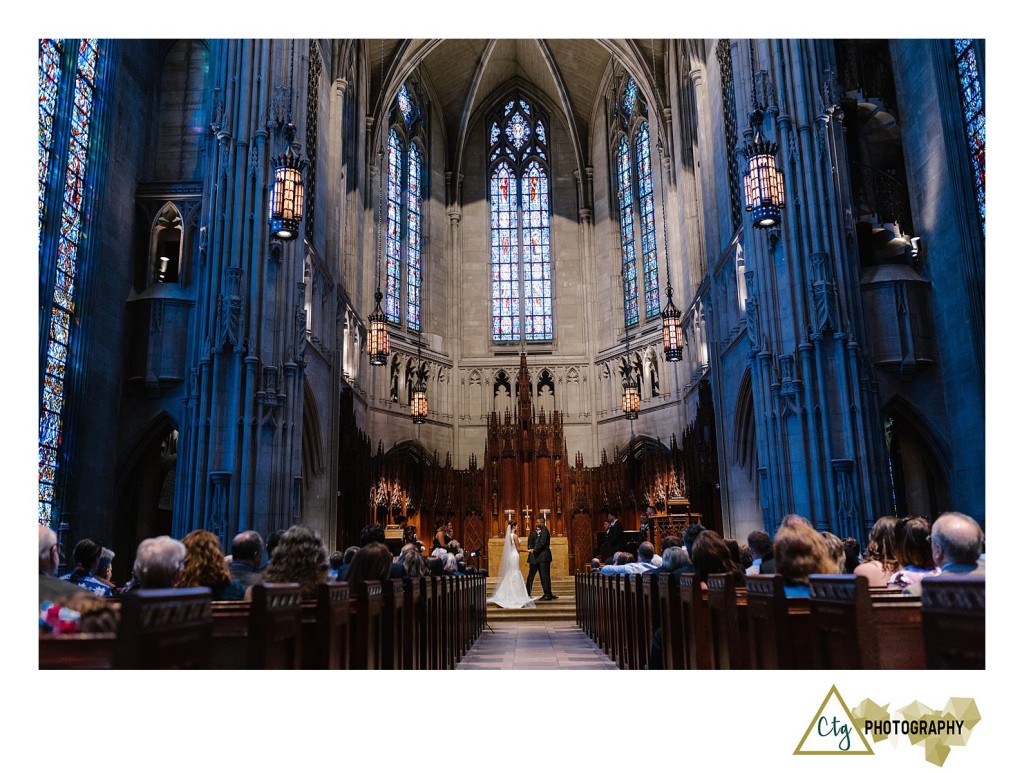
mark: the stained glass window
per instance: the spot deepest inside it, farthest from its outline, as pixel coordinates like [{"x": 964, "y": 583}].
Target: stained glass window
[
  {"x": 393, "y": 243},
  {"x": 625, "y": 195},
  {"x": 648, "y": 236},
  {"x": 415, "y": 220},
  {"x": 62, "y": 309},
  {"x": 50, "y": 52},
  {"x": 972, "y": 101},
  {"x": 629, "y": 97},
  {"x": 634, "y": 189},
  {"x": 521, "y": 296},
  {"x": 405, "y": 192}
]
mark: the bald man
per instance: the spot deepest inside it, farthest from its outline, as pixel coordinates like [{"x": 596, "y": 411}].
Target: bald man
[{"x": 50, "y": 588}]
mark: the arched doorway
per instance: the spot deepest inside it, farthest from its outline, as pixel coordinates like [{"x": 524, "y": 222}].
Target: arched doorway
[{"x": 918, "y": 483}]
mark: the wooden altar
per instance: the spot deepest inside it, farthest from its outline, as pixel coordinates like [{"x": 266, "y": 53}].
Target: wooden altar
[{"x": 559, "y": 557}]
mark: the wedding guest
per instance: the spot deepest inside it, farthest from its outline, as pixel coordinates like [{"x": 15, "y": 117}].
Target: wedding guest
[
  {"x": 300, "y": 556},
  {"x": 246, "y": 557},
  {"x": 51, "y": 588},
  {"x": 881, "y": 560},
  {"x": 914, "y": 553},
  {"x": 761, "y": 549},
  {"x": 711, "y": 556},
  {"x": 205, "y": 567},
  {"x": 799, "y": 552},
  {"x": 159, "y": 562},
  {"x": 835, "y": 549},
  {"x": 852, "y": 548},
  {"x": 87, "y": 558}
]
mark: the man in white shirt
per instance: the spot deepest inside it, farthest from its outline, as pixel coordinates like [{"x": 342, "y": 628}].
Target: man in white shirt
[{"x": 644, "y": 562}]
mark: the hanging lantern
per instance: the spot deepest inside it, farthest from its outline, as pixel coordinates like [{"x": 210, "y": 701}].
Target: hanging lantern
[
  {"x": 377, "y": 344},
  {"x": 287, "y": 196},
  {"x": 671, "y": 329},
  {"x": 630, "y": 396},
  {"x": 763, "y": 184},
  {"x": 418, "y": 406}
]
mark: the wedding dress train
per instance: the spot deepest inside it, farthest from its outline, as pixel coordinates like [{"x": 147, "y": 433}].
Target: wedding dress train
[{"x": 510, "y": 592}]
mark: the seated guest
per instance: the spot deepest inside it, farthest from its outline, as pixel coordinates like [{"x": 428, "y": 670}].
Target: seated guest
[
  {"x": 799, "y": 552},
  {"x": 914, "y": 552},
  {"x": 272, "y": 541},
  {"x": 105, "y": 570},
  {"x": 835, "y": 548},
  {"x": 436, "y": 566},
  {"x": 881, "y": 553},
  {"x": 595, "y": 564},
  {"x": 761, "y": 550},
  {"x": 675, "y": 561},
  {"x": 414, "y": 562},
  {"x": 689, "y": 536},
  {"x": 957, "y": 544},
  {"x": 621, "y": 558},
  {"x": 711, "y": 556},
  {"x": 334, "y": 562},
  {"x": 346, "y": 562},
  {"x": 451, "y": 565},
  {"x": 300, "y": 556},
  {"x": 374, "y": 532},
  {"x": 246, "y": 557},
  {"x": 442, "y": 534},
  {"x": 205, "y": 568},
  {"x": 159, "y": 562},
  {"x": 645, "y": 552},
  {"x": 50, "y": 587},
  {"x": 372, "y": 562},
  {"x": 87, "y": 558},
  {"x": 852, "y": 548}
]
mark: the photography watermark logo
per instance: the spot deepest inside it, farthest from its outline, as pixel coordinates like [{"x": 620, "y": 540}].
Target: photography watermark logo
[{"x": 836, "y": 729}]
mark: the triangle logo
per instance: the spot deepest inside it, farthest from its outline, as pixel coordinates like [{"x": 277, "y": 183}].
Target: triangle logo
[{"x": 833, "y": 730}]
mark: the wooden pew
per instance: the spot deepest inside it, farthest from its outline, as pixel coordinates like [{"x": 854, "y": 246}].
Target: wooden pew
[
  {"x": 953, "y": 620},
  {"x": 426, "y": 614},
  {"x": 325, "y": 636},
  {"x": 652, "y": 614},
  {"x": 275, "y": 626},
  {"x": 641, "y": 626},
  {"x": 392, "y": 623},
  {"x": 670, "y": 614},
  {"x": 696, "y": 627},
  {"x": 411, "y": 624},
  {"x": 618, "y": 625},
  {"x": 779, "y": 628},
  {"x": 727, "y": 617},
  {"x": 230, "y": 646},
  {"x": 853, "y": 630},
  {"x": 165, "y": 628},
  {"x": 628, "y": 589},
  {"x": 365, "y": 629}
]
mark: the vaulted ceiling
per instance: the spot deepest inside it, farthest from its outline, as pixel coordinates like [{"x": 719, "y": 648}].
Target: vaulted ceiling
[{"x": 463, "y": 75}]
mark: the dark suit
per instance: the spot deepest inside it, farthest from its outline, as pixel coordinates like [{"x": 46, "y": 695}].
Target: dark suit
[
  {"x": 614, "y": 541},
  {"x": 539, "y": 559}
]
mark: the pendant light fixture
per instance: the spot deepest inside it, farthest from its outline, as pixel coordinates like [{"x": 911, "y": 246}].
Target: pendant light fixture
[
  {"x": 287, "y": 192},
  {"x": 378, "y": 345}
]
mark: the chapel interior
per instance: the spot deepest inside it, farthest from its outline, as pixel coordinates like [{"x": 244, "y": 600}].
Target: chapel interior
[{"x": 730, "y": 279}]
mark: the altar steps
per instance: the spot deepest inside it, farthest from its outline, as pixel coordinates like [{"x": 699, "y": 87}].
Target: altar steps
[{"x": 562, "y": 608}]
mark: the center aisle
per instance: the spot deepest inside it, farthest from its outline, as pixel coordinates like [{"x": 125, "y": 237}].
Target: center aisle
[{"x": 539, "y": 645}]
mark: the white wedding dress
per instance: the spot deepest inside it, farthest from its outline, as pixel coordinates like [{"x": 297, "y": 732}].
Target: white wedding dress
[{"x": 510, "y": 592}]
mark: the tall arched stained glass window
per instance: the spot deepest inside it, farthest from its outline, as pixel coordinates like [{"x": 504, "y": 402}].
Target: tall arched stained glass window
[
  {"x": 648, "y": 235},
  {"x": 634, "y": 186},
  {"x": 50, "y": 54},
  {"x": 405, "y": 195},
  {"x": 972, "y": 101},
  {"x": 520, "y": 199},
  {"x": 77, "y": 110},
  {"x": 414, "y": 268},
  {"x": 393, "y": 245},
  {"x": 624, "y": 167}
]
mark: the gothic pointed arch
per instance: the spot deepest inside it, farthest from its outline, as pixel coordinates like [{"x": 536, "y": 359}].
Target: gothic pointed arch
[
  {"x": 165, "y": 246},
  {"x": 917, "y": 463}
]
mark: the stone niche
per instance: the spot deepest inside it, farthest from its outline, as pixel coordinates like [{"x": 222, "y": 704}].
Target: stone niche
[{"x": 897, "y": 317}]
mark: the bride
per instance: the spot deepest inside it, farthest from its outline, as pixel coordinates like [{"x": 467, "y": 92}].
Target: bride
[{"x": 510, "y": 592}]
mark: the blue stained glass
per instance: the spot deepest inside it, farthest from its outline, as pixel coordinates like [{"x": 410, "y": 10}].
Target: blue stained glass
[
  {"x": 393, "y": 242},
  {"x": 49, "y": 80},
  {"x": 67, "y": 243},
  {"x": 509, "y": 106},
  {"x": 415, "y": 220},
  {"x": 624, "y": 193},
  {"x": 629, "y": 97},
  {"x": 537, "y": 235},
  {"x": 495, "y": 132},
  {"x": 973, "y": 105},
  {"x": 541, "y": 134},
  {"x": 517, "y": 130},
  {"x": 405, "y": 103},
  {"x": 504, "y": 254},
  {"x": 648, "y": 238}
]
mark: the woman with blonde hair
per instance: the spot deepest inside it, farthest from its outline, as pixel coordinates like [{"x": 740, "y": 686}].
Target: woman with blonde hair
[
  {"x": 205, "y": 567},
  {"x": 800, "y": 552},
  {"x": 881, "y": 561}
]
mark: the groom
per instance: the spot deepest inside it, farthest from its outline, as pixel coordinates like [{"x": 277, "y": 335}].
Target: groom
[{"x": 539, "y": 559}]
